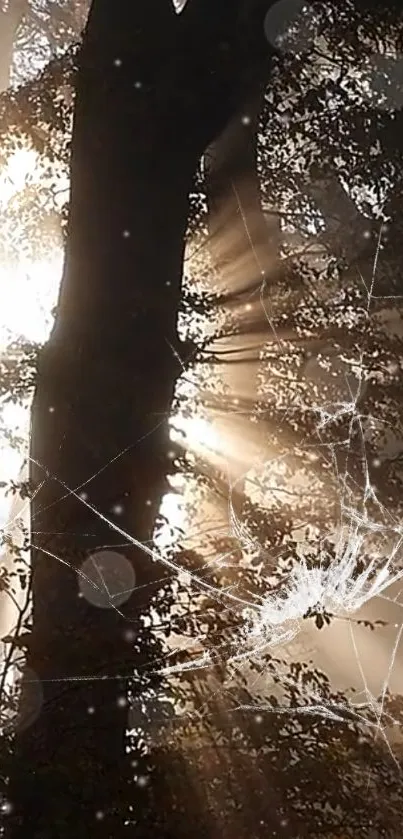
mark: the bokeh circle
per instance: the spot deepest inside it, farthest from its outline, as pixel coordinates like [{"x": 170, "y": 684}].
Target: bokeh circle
[
  {"x": 290, "y": 26},
  {"x": 107, "y": 579}
]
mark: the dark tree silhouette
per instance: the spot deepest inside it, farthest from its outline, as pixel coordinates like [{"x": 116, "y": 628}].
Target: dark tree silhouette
[
  {"x": 147, "y": 108},
  {"x": 153, "y": 91}
]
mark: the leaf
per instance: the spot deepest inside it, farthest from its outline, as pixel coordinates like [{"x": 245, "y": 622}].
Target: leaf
[
  {"x": 23, "y": 581},
  {"x": 19, "y": 641}
]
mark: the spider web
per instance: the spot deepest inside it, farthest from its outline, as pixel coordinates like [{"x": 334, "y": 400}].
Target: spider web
[{"x": 337, "y": 587}]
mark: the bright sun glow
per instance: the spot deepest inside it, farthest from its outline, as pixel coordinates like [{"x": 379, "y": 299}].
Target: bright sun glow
[
  {"x": 28, "y": 291},
  {"x": 196, "y": 431},
  {"x": 28, "y": 294},
  {"x": 19, "y": 170}
]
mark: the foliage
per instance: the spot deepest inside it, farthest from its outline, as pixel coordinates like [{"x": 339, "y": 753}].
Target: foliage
[{"x": 317, "y": 132}]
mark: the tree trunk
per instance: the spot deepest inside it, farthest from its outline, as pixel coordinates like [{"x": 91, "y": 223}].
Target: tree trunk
[{"x": 152, "y": 93}]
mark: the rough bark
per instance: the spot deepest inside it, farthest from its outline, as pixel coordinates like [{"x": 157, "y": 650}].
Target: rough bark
[{"x": 153, "y": 91}]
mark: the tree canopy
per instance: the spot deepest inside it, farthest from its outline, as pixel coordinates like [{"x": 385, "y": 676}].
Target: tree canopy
[{"x": 218, "y": 723}]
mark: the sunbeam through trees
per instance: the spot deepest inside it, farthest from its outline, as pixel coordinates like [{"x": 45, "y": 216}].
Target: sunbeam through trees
[{"x": 200, "y": 417}]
